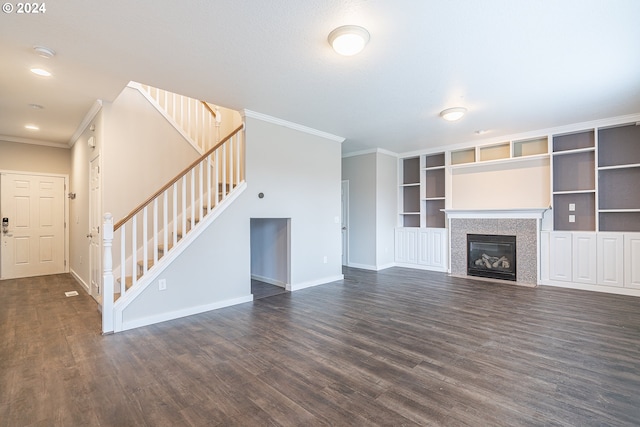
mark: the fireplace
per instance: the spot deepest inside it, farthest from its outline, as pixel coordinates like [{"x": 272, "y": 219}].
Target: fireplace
[{"x": 492, "y": 256}]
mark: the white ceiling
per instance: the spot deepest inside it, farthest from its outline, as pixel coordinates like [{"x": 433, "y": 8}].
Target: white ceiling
[{"x": 516, "y": 65}]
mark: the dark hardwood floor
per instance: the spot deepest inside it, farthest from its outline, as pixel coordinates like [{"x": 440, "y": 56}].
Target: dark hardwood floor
[
  {"x": 397, "y": 347},
  {"x": 261, "y": 290}
]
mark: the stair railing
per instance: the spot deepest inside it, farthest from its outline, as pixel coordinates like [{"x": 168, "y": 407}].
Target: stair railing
[
  {"x": 154, "y": 227},
  {"x": 198, "y": 120}
]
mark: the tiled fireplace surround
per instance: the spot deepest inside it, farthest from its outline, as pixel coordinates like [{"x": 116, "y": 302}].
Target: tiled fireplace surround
[{"x": 524, "y": 224}]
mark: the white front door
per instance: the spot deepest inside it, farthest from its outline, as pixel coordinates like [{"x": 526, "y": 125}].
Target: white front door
[
  {"x": 33, "y": 240},
  {"x": 95, "y": 221}
]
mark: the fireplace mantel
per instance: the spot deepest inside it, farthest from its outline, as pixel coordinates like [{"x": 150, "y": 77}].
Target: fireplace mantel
[{"x": 527, "y": 213}]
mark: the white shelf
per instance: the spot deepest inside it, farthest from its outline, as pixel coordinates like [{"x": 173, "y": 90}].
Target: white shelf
[
  {"x": 574, "y": 151},
  {"x": 604, "y": 168},
  {"x": 618, "y": 210},
  {"x": 434, "y": 198},
  {"x": 413, "y": 184},
  {"x": 574, "y": 192},
  {"x": 486, "y": 163}
]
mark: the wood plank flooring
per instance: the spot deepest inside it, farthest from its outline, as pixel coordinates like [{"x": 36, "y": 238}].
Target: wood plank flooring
[{"x": 394, "y": 348}]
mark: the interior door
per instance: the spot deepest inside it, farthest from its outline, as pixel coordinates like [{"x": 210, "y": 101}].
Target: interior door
[
  {"x": 33, "y": 239},
  {"x": 95, "y": 221},
  {"x": 345, "y": 223}
]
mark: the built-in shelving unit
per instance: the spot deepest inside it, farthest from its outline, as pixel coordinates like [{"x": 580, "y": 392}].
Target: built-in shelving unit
[
  {"x": 410, "y": 191},
  {"x": 574, "y": 182},
  {"x": 503, "y": 151},
  {"x": 619, "y": 178},
  {"x": 434, "y": 190}
]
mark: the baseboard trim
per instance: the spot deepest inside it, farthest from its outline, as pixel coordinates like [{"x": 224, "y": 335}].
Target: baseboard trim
[
  {"x": 163, "y": 317},
  {"x": 371, "y": 267},
  {"x": 421, "y": 267},
  {"x": 593, "y": 288},
  {"x": 311, "y": 283},
  {"x": 79, "y": 280},
  {"x": 269, "y": 280}
]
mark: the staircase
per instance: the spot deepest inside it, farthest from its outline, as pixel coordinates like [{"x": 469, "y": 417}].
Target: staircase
[{"x": 153, "y": 234}]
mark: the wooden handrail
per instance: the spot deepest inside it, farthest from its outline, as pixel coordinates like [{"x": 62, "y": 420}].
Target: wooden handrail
[
  {"x": 209, "y": 109},
  {"x": 175, "y": 179}
]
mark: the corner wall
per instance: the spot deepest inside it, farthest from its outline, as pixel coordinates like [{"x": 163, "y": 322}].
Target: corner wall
[{"x": 373, "y": 204}]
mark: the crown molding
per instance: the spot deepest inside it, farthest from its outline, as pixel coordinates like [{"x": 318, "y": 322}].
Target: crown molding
[
  {"x": 20, "y": 140},
  {"x": 291, "y": 125},
  {"x": 370, "y": 151},
  {"x": 88, "y": 118}
]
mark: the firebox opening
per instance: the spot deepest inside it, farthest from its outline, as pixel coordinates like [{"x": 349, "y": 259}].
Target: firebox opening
[{"x": 492, "y": 256}]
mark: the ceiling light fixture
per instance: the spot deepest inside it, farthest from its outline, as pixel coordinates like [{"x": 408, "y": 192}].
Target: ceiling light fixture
[
  {"x": 36, "y": 106},
  {"x": 348, "y": 40},
  {"x": 31, "y": 127},
  {"x": 453, "y": 114},
  {"x": 44, "y": 52},
  {"x": 41, "y": 72}
]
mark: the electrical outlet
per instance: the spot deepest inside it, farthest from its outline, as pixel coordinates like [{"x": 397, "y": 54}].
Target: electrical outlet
[
  {"x": 572, "y": 218},
  {"x": 162, "y": 284},
  {"x": 572, "y": 207}
]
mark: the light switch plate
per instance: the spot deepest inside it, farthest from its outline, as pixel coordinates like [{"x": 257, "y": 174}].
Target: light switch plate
[
  {"x": 572, "y": 218},
  {"x": 572, "y": 207}
]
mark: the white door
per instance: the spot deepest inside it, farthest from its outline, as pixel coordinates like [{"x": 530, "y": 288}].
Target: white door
[
  {"x": 33, "y": 240},
  {"x": 345, "y": 223},
  {"x": 95, "y": 222}
]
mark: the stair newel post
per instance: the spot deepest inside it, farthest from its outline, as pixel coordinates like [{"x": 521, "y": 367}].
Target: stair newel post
[{"x": 107, "y": 278}]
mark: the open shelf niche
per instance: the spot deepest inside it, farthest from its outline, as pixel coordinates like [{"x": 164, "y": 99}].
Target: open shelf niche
[
  {"x": 619, "y": 178},
  {"x": 434, "y": 190},
  {"x": 574, "y": 183},
  {"x": 410, "y": 192}
]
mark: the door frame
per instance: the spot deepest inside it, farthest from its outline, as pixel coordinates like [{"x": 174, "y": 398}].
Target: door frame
[
  {"x": 66, "y": 207},
  {"x": 344, "y": 213},
  {"x": 95, "y": 293}
]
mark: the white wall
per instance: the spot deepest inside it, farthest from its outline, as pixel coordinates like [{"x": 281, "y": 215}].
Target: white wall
[
  {"x": 373, "y": 204},
  {"x": 81, "y": 156},
  {"x": 509, "y": 185},
  {"x": 360, "y": 171},
  {"x": 270, "y": 250},
  {"x": 386, "y": 208},
  {"x": 142, "y": 151},
  {"x": 299, "y": 174}
]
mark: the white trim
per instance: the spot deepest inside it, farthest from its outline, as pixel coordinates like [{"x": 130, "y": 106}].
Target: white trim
[
  {"x": 363, "y": 266},
  {"x": 269, "y": 280},
  {"x": 163, "y": 113},
  {"x": 372, "y": 267},
  {"x": 79, "y": 280},
  {"x": 146, "y": 321},
  {"x": 323, "y": 281},
  {"x": 86, "y": 121},
  {"x": 541, "y": 133},
  {"x": 526, "y": 213},
  {"x": 20, "y": 140},
  {"x": 422, "y": 267},
  {"x": 370, "y": 151},
  {"x": 593, "y": 288},
  {"x": 291, "y": 125}
]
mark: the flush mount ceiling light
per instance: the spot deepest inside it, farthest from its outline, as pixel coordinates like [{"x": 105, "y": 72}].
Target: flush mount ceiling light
[
  {"x": 31, "y": 127},
  {"x": 36, "y": 106},
  {"x": 348, "y": 40},
  {"x": 41, "y": 72},
  {"x": 44, "y": 52},
  {"x": 453, "y": 114}
]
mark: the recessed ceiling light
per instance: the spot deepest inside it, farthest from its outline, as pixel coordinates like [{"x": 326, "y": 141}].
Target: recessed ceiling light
[
  {"x": 453, "y": 114},
  {"x": 41, "y": 72},
  {"x": 36, "y": 106},
  {"x": 31, "y": 127},
  {"x": 44, "y": 52},
  {"x": 348, "y": 40}
]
